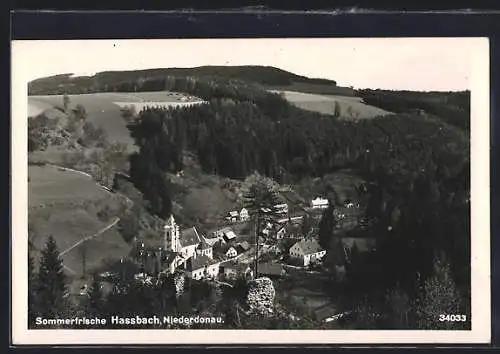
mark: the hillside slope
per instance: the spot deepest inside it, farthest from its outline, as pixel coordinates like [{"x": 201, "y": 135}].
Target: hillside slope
[
  {"x": 350, "y": 107},
  {"x": 102, "y": 82}
]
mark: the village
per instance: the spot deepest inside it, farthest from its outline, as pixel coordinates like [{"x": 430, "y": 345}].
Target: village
[{"x": 287, "y": 249}]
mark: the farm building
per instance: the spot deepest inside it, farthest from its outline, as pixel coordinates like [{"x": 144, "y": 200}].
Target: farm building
[{"x": 307, "y": 251}]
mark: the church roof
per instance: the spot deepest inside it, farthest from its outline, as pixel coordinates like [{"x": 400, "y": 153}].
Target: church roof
[
  {"x": 204, "y": 245},
  {"x": 189, "y": 237}
]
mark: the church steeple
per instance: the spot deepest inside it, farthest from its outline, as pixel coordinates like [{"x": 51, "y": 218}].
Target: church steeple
[{"x": 171, "y": 235}]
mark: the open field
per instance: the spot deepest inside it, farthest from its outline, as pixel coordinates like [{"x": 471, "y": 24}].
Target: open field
[
  {"x": 70, "y": 206},
  {"x": 319, "y": 89},
  {"x": 50, "y": 184},
  {"x": 107, "y": 246},
  {"x": 104, "y": 109},
  {"x": 350, "y": 107}
]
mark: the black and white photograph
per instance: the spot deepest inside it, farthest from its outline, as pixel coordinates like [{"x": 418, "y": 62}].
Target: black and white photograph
[{"x": 170, "y": 189}]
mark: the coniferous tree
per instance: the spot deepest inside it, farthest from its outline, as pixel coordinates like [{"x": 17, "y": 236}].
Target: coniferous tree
[
  {"x": 32, "y": 278},
  {"x": 66, "y": 101},
  {"x": 327, "y": 226},
  {"x": 51, "y": 282},
  {"x": 95, "y": 303},
  {"x": 439, "y": 296},
  {"x": 260, "y": 200}
]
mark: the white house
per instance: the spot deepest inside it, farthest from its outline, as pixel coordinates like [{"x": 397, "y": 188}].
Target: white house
[
  {"x": 319, "y": 203},
  {"x": 233, "y": 216},
  {"x": 204, "y": 249},
  {"x": 231, "y": 252},
  {"x": 281, "y": 232},
  {"x": 244, "y": 215},
  {"x": 307, "y": 251},
  {"x": 202, "y": 267}
]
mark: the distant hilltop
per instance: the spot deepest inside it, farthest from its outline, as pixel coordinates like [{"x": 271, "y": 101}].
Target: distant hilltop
[{"x": 267, "y": 76}]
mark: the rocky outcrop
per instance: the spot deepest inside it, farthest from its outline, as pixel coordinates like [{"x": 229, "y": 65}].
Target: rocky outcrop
[{"x": 260, "y": 297}]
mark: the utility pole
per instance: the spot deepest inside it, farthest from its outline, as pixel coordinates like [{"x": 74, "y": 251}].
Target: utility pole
[{"x": 256, "y": 243}]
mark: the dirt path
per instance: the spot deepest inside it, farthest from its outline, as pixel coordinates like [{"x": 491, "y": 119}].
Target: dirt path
[{"x": 115, "y": 221}]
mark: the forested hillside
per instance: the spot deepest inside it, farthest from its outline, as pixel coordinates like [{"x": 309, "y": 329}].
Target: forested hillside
[
  {"x": 452, "y": 107},
  {"x": 134, "y": 80}
]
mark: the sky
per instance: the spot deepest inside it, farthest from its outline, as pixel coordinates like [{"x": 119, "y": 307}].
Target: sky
[{"x": 423, "y": 64}]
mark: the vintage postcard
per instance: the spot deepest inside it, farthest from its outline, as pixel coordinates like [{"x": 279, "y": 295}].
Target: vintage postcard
[{"x": 251, "y": 191}]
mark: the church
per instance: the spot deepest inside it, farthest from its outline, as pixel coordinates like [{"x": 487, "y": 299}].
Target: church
[{"x": 187, "y": 250}]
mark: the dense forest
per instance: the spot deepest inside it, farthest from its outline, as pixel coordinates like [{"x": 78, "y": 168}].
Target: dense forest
[{"x": 452, "y": 107}]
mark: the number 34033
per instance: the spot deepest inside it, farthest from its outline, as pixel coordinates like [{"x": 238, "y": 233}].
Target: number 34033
[{"x": 452, "y": 318}]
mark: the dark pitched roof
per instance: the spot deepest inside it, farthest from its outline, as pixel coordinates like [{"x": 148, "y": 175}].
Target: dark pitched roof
[
  {"x": 245, "y": 246},
  {"x": 309, "y": 246},
  {"x": 195, "y": 263},
  {"x": 189, "y": 237}
]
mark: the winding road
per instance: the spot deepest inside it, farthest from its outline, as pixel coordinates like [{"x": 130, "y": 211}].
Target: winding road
[{"x": 104, "y": 229}]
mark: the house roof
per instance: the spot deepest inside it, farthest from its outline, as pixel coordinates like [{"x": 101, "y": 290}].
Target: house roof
[
  {"x": 239, "y": 267},
  {"x": 309, "y": 246},
  {"x": 229, "y": 235},
  {"x": 233, "y": 213},
  {"x": 363, "y": 244},
  {"x": 270, "y": 268},
  {"x": 219, "y": 232},
  {"x": 244, "y": 245},
  {"x": 199, "y": 262},
  {"x": 319, "y": 200},
  {"x": 189, "y": 237}
]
